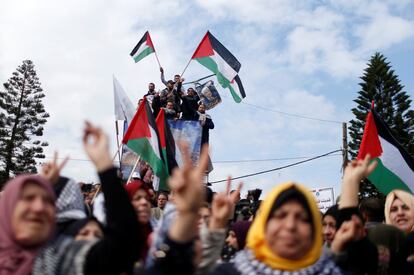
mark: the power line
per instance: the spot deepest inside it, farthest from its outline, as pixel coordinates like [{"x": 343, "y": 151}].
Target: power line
[
  {"x": 278, "y": 168},
  {"x": 275, "y": 111},
  {"x": 218, "y": 161},
  {"x": 264, "y": 160},
  {"x": 292, "y": 114}
]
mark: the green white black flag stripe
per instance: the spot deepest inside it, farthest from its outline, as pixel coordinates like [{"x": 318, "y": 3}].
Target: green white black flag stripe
[
  {"x": 395, "y": 169},
  {"x": 143, "y": 48},
  {"x": 214, "y": 56}
]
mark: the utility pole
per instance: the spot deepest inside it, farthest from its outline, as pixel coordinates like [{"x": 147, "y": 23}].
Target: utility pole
[{"x": 344, "y": 146}]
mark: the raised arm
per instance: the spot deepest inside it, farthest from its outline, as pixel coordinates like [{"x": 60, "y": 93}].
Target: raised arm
[
  {"x": 187, "y": 187},
  {"x": 120, "y": 247},
  {"x": 162, "y": 76},
  {"x": 354, "y": 173},
  {"x": 354, "y": 252}
]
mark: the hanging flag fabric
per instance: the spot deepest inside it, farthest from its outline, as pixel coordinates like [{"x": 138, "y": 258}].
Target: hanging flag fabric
[
  {"x": 215, "y": 57},
  {"x": 395, "y": 169},
  {"x": 167, "y": 146},
  {"x": 143, "y": 48},
  {"x": 124, "y": 109},
  {"x": 142, "y": 137}
]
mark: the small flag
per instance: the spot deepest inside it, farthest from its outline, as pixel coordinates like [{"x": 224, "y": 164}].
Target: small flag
[
  {"x": 143, "y": 48},
  {"x": 395, "y": 169},
  {"x": 215, "y": 57},
  {"x": 142, "y": 137}
]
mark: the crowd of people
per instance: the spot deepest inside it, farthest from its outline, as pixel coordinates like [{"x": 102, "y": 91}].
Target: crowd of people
[
  {"x": 46, "y": 227},
  {"x": 51, "y": 224},
  {"x": 178, "y": 104}
]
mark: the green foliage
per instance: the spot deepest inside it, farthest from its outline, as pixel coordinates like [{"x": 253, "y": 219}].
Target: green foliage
[
  {"x": 22, "y": 116},
  {"x": 381, "y": 85}
]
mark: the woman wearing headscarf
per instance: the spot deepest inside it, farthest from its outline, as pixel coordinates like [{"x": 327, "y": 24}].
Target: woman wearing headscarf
[
  {"x": 139, "y": 197},
  {"x": 27, "y": 222},
  {"x": 399, "y": 210},
  {"x": 329, "y": 225},
  {"x": 118, "y": 249},
  {"x": 286, "y": 235},
  {"x": 87, "y": 229},
  {"x": 236, "y": 239}
]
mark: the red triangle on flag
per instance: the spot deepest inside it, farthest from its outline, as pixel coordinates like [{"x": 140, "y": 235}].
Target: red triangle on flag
[
  {"x": 370, "y": 143},
  {"x": 138, "y": 128},
  {"x": 204, "y": 49},
  {"x": 149, "y": 41},
  {"x": 160, "y": 121}
]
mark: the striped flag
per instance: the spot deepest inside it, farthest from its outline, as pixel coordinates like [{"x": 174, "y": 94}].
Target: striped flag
[
  {"x": 395, "y": 169},
  {"x": 142, "y": 137},
  {"x": 167, "y": 146},
  {"x": 215, "y": 57},
  {"x": 143, "y": 48}
]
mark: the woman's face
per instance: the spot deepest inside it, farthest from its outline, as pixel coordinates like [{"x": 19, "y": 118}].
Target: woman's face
[
  {"x": 289, "y": 231},
  {"x": 33, "y": 216},
  {"x": 91, "y": 231},
  {"x": 401, "y": 215},
  {"x": 231, "y": 240},
  {"x": 328, "y": 229},
  {"x": 142, "y": 206}
]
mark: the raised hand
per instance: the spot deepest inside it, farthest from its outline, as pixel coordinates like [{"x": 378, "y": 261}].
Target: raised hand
[
  {"x": 51, "y": 170},
  {"x": 96, "y": 146},
  {"x": 352, "y": 230},
  {"x": 357, "y": 170},
  {"x": 186, "y": 183},
  {"x": 223, "y": 206}
]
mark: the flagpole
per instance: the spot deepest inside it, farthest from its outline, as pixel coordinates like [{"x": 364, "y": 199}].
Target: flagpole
[
  {"x": 96, "y": 194},
  {"x": 156, "y": 56},
  {"x": 119, "y": 148},
  {"x": 186, "y": 67},
  {"x": 195, "y": 81},
  {"x": 192, "y": 57},
  {"x": 117, "y": 141},
  {"x": 133, "y": 169}
]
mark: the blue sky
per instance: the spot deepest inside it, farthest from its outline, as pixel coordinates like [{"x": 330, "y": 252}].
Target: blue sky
[{"x": 301, "y": 57}]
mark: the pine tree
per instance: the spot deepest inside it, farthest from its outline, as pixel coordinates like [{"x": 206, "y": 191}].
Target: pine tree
[
  {"x": 381, "y": 85},
  {"x": 22, "y": 116}
]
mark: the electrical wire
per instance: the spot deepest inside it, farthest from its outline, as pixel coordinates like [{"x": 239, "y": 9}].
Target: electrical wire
[
  {"x": 292, "y": 114},
  {"x": 218, "y": 161},
  {"x": 263, "y": 160},
  {"x": 277, "y": 168}
]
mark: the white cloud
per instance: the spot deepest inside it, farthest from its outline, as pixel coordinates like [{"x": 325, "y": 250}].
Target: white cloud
[{"x": 383, "y": 32}]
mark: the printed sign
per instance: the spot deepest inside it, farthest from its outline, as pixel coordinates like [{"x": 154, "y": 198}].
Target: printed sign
[
  {"x": 189, "y": 132},
  {"x": 324, "y": 197},
  {"x": 208, "y": 94}
]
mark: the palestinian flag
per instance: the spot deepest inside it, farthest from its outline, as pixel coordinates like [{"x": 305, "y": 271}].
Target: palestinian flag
[
  {"x": 143, "y": 48},
  {"x": 142, "y": 138},
  {"x": 395, "y": 168},
  {"x": 167, "y": 146},
  {"x": 215, "y": 57}
]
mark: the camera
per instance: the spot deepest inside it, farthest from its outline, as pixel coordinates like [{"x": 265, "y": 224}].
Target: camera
[{"x": 86, "y": 188}]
